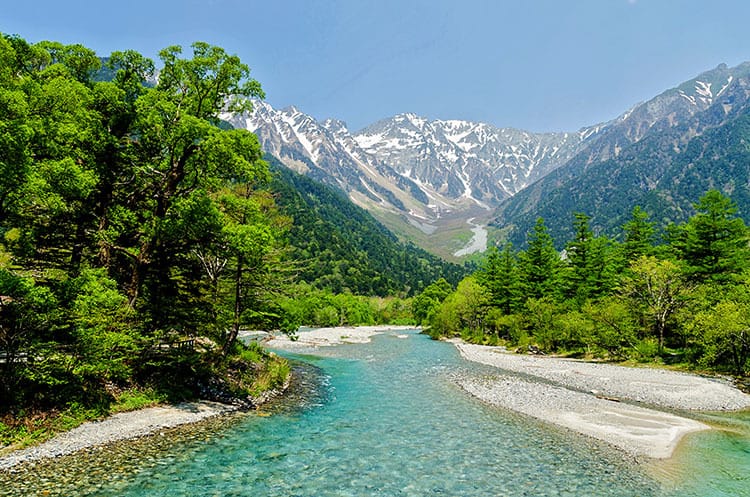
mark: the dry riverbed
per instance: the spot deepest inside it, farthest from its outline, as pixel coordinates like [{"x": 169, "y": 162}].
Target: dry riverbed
[{"x": 326, "y": 337}]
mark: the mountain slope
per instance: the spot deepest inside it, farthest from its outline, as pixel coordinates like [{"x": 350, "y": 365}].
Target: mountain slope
[
  {"x": 434, "y": 181},
  {"x": 428, "y": 181},
  {"x": 473, "y": 161},
  {"x": 340, "y": 246},
  {"x": 656, "y": 155}
]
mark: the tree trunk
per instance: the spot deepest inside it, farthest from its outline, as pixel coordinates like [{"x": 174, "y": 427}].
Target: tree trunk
[
  {"x": 78, "y": 245},
  {"x": 235, "y": 330},
  {"x": 139, "y": 269}
]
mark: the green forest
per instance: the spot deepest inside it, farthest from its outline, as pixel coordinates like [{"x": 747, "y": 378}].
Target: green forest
[
  {"x": 683, "y": 302},
  {"x": 139, "y": 235}
]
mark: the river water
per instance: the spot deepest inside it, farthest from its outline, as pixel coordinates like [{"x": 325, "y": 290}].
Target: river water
[
  {"x": 478, "y": 242},
  {"x": 385, "y": 419}
]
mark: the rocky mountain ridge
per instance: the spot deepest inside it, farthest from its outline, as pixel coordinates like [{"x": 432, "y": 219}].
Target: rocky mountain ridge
[
  {"x": 434, "y": 175},
  {"x": 415, "y": 175},
  {"x": 655, "y": 156}
]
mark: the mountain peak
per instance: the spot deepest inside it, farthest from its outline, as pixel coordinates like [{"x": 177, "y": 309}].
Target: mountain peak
[{"x": 429, "y": 173}]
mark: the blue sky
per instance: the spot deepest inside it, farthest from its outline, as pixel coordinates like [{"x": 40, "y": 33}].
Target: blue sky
[{"x": 539, "y": 65}]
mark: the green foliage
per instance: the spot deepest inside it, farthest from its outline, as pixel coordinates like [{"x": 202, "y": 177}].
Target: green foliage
[
  {"x": 686, "y": 302},
  {"x": 509, "y": 327},
  {"x": 540, "y": 263},
  {"x": 542, "y": 319},
  {"x": 129, "y": 221},
  {"x": 647, "y": 350},
  {"x": 639, "y": 235},
  {"x": 273, "y": 377},
  {"x": 426, "y": 303},
  {"x": 714, "y": 242},
  {"x": 137, "y": 398},
  {"x": 612, "y": 328},
  {"x": 500, "y": 275},
  {"x": 722, "y": 333},
  {"x": 340, "y": 247},
  {"x": 589, "y": 266},
  {"x": 309, "y": 306},
  {"x": 107, "y": 343},
  {"x": 394, "y": 310},
  {"x": 462, "y": 312},
  {"x": 656, "y": 289}
]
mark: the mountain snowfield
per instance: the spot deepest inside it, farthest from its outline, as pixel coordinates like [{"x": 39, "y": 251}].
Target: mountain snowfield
[{"x": 440, "y": 181}]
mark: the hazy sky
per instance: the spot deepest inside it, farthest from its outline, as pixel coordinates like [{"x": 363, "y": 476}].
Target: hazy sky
[{"x": 540, "y": 65}]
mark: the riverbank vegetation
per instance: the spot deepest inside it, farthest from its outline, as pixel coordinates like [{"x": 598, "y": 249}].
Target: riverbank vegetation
[
  {"x": 137, "y": 235},
  {"x": 684, "y": 300}
]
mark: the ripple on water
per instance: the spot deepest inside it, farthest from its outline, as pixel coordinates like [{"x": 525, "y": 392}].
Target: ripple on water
[{"x": 396, "y": 425}]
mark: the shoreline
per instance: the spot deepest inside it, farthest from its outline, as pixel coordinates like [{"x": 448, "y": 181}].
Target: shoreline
[
  {"x": 118, "y": 427},
  {"x": 624, "y": 407},
  {"x": 661, "y": 388},
  {"x": 314, "y": 338},
  {"x": 150, "y": 421},
  {"x": 602, "y": 401}
]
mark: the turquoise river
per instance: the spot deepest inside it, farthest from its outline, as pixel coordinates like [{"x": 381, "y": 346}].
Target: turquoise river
[{"x": 386, "y": 419}]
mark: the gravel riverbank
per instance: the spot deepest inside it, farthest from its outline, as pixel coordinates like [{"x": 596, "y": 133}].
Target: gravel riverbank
[
  {"x": 326, "y": 337},
  {"x": 650, "y": 386},
  {"x": 585, "y": 397},
  {"x": 635, "y": 430},
  {"x": 122, "y": 426}
]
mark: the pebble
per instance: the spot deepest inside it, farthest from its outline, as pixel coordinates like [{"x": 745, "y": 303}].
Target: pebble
[{"x": 654, "y": 387}]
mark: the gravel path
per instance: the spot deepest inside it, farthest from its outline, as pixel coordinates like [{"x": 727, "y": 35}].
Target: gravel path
[
  {"x": 120, "y": 426},
  {"x": 655, "y": 387}
]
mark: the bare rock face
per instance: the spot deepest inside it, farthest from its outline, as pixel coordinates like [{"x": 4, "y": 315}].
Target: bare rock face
[
  {"x": 410, "y": 169},
  {"x": 420, "y": 172}
]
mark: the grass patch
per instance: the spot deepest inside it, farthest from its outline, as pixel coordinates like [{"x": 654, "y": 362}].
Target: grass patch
[
  {"x": 27, "y": 428},
  {"x": 274, "y": 376},
  {"x": 134, "y": 399},
  {"x": 252, "y": 371}
]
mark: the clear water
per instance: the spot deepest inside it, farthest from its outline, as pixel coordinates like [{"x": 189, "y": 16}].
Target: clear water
[{"x": 386, "y": 420}]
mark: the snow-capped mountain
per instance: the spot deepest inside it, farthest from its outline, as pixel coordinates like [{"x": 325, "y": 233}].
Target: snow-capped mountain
[
  {"x": 466, "y": 159},
  {"x": 662, "y": 155},
  {"x": 327, "y": 152},
  {"x": 436, "y": 174},
  {"x": 423, "y": 171}
]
